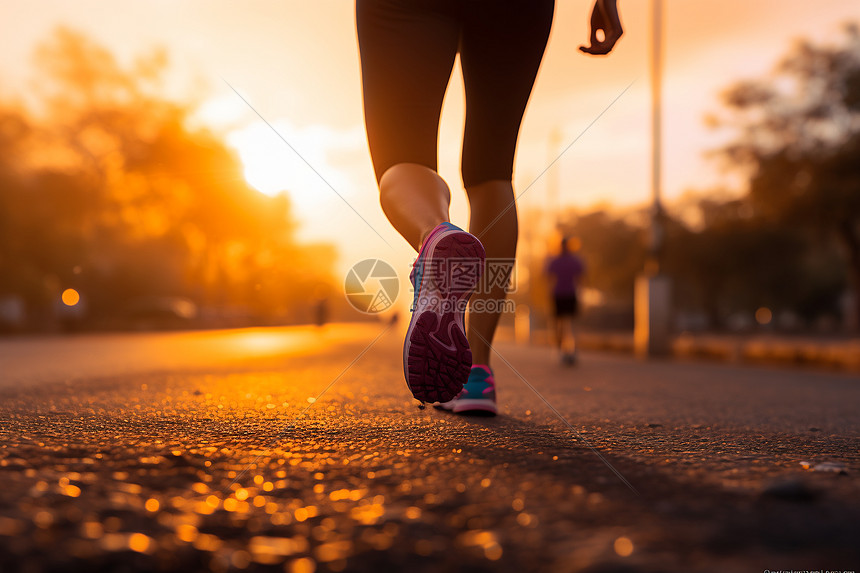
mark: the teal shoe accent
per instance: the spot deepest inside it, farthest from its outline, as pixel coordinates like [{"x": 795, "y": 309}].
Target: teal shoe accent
[
  {"x": 480, "y": 386},
  {"x": 478, "y": 395}
]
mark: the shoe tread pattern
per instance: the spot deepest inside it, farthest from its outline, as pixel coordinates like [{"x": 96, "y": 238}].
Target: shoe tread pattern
[{"x": 439, "y": 359}]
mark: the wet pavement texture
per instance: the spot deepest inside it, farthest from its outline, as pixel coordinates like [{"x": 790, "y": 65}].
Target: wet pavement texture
[{"x": 300, "y": 450}]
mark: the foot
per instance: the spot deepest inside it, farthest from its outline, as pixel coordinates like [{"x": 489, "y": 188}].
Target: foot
[
  {"x": 568, "y": 359},
  {"x": 478, "y": 395},
  {"x": 436, "y": 354}
]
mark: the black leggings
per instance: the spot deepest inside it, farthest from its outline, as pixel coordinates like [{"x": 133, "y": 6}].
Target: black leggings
[{"x": 407, "y": 53}]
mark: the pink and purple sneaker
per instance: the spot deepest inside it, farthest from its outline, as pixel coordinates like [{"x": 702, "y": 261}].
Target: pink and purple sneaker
[
  {"x": 478, "y": 395},
  {"x": 436, "y": 355}
]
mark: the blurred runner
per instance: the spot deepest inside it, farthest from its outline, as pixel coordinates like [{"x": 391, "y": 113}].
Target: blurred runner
[{"x": 566, "y": 271}]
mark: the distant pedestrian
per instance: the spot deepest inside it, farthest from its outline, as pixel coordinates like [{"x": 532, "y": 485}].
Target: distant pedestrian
[
  {"x": 407, "y": 50},
  {"x": 566, "y": 271},
  {"x": 321, "y": 311}
]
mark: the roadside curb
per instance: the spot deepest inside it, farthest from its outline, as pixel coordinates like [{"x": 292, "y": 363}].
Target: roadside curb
[{"x": 832, "y": 354}]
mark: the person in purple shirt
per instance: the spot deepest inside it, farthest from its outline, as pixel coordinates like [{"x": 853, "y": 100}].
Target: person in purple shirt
[{"x": 566, "y": 270}]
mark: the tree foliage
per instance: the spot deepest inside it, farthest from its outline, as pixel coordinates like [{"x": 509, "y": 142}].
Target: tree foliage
[
  {"x": 797, "y": 136},
  {"x": 108, "y": 190}
]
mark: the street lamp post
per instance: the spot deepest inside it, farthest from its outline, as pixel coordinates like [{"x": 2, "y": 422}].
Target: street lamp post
[
  {"x": 652, "y": 303},
  {"x": 656, "y": 240}
]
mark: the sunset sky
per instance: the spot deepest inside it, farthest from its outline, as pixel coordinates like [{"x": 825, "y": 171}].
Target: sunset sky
[{"x": 296, "y": 62}]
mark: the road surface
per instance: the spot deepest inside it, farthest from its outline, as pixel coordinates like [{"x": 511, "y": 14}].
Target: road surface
[{"x": 299, "y": 449}]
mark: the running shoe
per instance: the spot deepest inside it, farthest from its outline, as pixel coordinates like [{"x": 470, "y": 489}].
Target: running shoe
[
  {"x": 478, "y": 395},
  {"x": 436, "y": 354}
]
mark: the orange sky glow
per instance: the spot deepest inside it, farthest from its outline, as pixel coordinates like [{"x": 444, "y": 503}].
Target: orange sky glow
[{"x": 296, "y": 62}]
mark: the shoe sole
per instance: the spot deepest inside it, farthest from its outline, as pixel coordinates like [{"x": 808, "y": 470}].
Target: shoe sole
[
  {"x": 436, "y": 355},
  {"x": 467, "y": 406}
]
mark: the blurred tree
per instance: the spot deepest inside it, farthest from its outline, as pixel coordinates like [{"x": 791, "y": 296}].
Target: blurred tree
[
  {"x": 736, "y": 262},
  {"x": 15, "y": 133},
  {"x": 730, "y": 261},
  {"x": 613, "y": 247},
  {"x": 798, "y": 138},
  {"x": 123, "y": 199}
]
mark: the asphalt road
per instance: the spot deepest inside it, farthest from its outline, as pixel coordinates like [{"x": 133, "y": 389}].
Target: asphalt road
[{"x": 300, "y": 449}]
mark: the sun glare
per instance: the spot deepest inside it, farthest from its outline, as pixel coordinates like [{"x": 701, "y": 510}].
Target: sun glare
[
  {"x": 264, "y": 160},
  {"x": 222, "y": 111},
  {"x": 272, "y": 166}
]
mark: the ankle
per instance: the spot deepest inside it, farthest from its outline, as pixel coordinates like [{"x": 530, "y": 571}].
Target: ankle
[
  {"x": 425, "y": 234},
  {"x": 478, "y": 359}
]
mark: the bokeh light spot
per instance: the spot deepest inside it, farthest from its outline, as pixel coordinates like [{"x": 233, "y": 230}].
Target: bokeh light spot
[
  {"x": 302, "y": 565},
  {"x": 763, "y": 315},
  {"x": 138, "y": 542},
  {"x": 186, "y": 532},
  {"x": 71, "y": 297},
  {"x": 623, "y": 546}
]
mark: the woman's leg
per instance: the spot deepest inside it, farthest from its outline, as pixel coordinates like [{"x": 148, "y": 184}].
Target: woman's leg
[
  {"x": 494, "y": 221},
  {"x": 407, "y": 52},
  {"x": 501, "y": 49},
  {"x": 415, "y": 199},
  {"x": 559, "y": 332}
]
